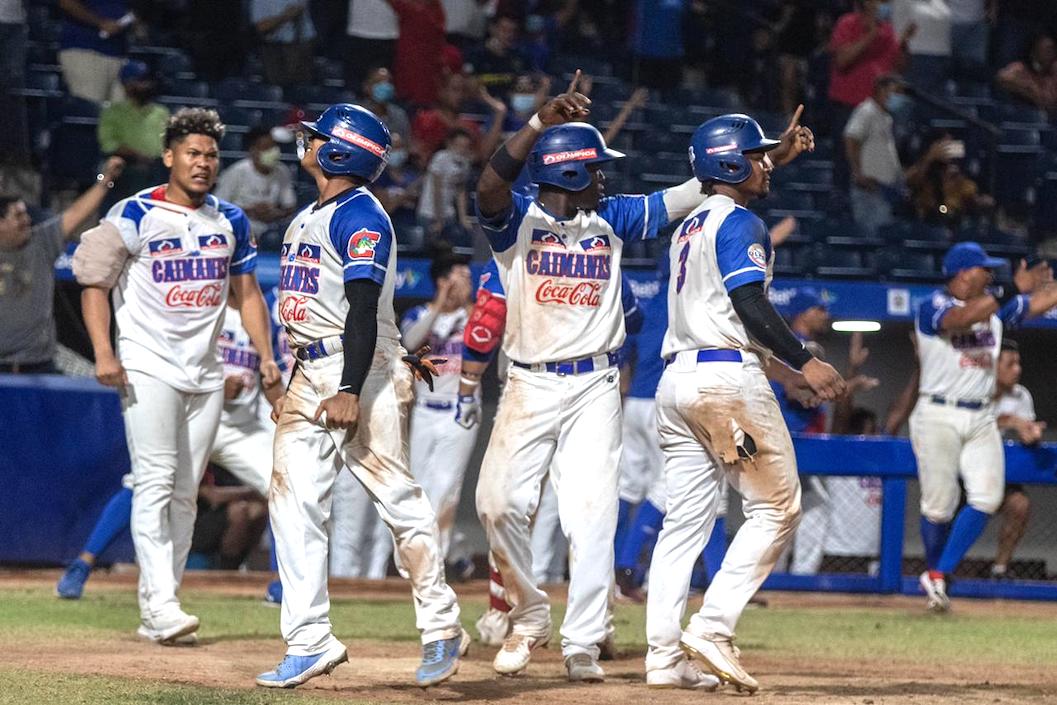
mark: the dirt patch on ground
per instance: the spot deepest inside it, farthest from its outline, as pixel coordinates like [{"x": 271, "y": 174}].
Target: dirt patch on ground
[{"x": 383, "y": 671}]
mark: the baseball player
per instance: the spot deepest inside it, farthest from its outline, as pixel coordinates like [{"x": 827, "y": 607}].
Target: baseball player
[
  {"x": 171, "y": 255},
  {"x": 717, "y": 415},
  {"x": 953, "y": 429},
  {"x": 480, "y": 344},
  {"x": 557, "y": 254},
  {"x": 347, "y": 405},
  {"x": 1015, "y": 412},
  {"x": 242, "y": 446}
]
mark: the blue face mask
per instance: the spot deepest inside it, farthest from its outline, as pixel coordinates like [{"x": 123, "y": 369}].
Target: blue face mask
[
  {"x": 884, "y": 12},
  {"x": 397, "y": 158},
  {"x": 896, "y": 103},
  {"x": 522, "y": 103},
  {"x": 383, "y": 92}
]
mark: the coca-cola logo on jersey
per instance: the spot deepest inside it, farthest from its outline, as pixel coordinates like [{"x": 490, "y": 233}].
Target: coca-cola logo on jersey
[
  {"x": 294, "y": 309},
  {"x": 207, "y": 296},
  {"x": 580, "y": 294}
]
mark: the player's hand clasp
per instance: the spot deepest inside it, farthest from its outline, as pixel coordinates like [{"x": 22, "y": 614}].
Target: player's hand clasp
[{"x": 422, "y": 367}]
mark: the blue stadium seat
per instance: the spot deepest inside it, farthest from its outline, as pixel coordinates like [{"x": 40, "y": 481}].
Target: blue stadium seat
[
  {"x": 305, "y": 94},
  {"x": 74, "y": 152},
  {"x": 789, "y": 199},
  {"x": 909, "y": 265},
  {"x": 175, "y": 64},
  {"x": 42, "y": 53},
  {"x": 1016, "y": 168},
  {"x": 1020, "y": 134},
  {"x": 842, "y": 262},
  {"x": 180, "y": 88},
  {"x": 237, "y": 89},
  {"x": 245, "y": 117},
  {"x": 786, "y": 261},
  {"x": 44, "y": 81}
]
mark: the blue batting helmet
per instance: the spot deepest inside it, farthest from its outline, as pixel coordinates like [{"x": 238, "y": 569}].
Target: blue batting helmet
[
  {"x": 357, "y": 141},
  {"x": 718, "y": 147},
  {"x": 562, "y": 153}
]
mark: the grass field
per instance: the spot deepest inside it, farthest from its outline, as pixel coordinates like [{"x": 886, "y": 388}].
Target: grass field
[{"x": 803, "y": 648}]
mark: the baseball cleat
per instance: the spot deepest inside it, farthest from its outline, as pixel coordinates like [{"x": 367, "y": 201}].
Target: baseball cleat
[
  {"x": 292, "y": 671},
  {"x": 71, "y": 584},
  {"x": 440, "y": 659},
  {"x": 273, "y": 595},
  {"x": 493, "y": 627},
  {"x": 685, "y": 674},
  {"x": 935, "y": 588},
  {"x": 720, "y": 656},
  {"x": 464, "y": 642},
  {"x": 516, "y": 652},
  {"x": 583, "y": 668},
  {"x": 170, "y": 632}
]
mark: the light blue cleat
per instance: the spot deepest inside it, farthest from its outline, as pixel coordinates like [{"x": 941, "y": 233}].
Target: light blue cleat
[
  {"x": 440, "y": 659},
  {"x": 292, "y": 671},
  {"x": 71, "y": 584}
]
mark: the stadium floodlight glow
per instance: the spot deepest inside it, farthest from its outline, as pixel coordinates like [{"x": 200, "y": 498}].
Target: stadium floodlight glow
[{"x": 856, "y": 326}]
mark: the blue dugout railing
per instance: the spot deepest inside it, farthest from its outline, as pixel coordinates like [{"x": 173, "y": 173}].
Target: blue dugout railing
[{"x": 892, "y": 460}]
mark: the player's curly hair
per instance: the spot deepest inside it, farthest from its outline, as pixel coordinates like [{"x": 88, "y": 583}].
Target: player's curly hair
[{"x": 192, "y": 121}]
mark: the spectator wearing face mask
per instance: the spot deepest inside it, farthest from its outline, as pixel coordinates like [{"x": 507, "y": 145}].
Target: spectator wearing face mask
[
  {"x": 378, "y": 93},
  {"x": 525, "y": 98},
  {"x": 132, "y": 129},
  {"x": 260, "y": 185},
  {"x": 870, "y": 146}
]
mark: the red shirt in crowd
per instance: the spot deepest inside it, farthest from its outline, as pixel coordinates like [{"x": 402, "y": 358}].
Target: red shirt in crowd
[
  {"x": 854, "y": 83},
  {"x": 430, "y": 129},
  {"x": 419, "y": 50}
]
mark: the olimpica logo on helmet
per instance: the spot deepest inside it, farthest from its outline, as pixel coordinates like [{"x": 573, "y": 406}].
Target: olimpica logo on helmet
[
  {"x": 562, "y": 153},
  {"x": 719, "y": 145},
  {"x": 358, "y": 142}
]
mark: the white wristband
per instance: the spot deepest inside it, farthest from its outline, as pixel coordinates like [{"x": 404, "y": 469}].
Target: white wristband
[
  {"x": 469, "y": 382},
  {"x": 535, "y": 123}
]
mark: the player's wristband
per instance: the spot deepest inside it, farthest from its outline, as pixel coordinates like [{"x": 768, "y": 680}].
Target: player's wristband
[
  {"x": 507, "y": 166},
  {"x": 469, "y": 382},
  {"x": 535, "y": 123}
]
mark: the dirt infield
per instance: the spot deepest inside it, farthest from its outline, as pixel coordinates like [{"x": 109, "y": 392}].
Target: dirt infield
[{"x": 380, "y": 671}]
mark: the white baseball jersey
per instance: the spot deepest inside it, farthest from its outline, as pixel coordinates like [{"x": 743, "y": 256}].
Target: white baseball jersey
[
  {"x": 1016, "y": 402},
  {"x": 240, "y": 359},
  {"x": 960, "y": 365},
  {"x": 563, "y": 295},
  {"x": 444, "y": 341},
  {"x": 327, "y": 244},
  {"x": 719, "y": 247},
  {"x": 169, "y": 301}
]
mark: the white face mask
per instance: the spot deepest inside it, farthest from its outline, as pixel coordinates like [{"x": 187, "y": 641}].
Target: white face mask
[
  {"x": 269, "y": 157},
  {"x": 522, "y": 103},
  {"x": 397, "y": 158}
]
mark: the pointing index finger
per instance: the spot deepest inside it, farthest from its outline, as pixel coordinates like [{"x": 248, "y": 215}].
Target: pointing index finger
[
  {"x": 573, "y": 83},
  {"x": 796, "y": 118}
]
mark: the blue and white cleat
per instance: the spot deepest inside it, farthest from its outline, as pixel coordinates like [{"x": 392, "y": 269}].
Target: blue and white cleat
[
  {"x": 292, "y": 671},
  {"x": 274, "y": 594},
  {"x": 440, "y": 659},
  {"x": 71, "y": 584}
]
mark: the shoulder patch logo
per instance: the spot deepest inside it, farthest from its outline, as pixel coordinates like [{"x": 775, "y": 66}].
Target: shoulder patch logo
[
  {"x": 757, "y": 255},
  {"x": 363, "y": 243}
]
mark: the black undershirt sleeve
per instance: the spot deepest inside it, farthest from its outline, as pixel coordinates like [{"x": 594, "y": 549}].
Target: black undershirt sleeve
[
  {"x": 765, "y": 325},
  {"x": 361, "y": 332}
]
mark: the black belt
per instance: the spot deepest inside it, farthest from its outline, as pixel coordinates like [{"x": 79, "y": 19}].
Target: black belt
[{"x": 972, "y": 405}]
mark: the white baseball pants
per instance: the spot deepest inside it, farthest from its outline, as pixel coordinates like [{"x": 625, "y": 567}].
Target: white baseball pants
[
  {"x": 641, "y": 460},
  {"x": 246, "y": 452},
  {"x": 702, "y": 410},
  {"x": 170, "y": 434},
  {"x": 308, "y": 457},
  {"x": 440, "y": 451},
  {"x": 360, "y": 543},
  {"x": 949, "y": 441},
  {"x": 568, "y": 425},
  {"x": 550, "y": 550}
]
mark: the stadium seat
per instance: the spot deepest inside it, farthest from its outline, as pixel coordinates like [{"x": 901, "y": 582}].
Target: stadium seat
[
  {"x": 908, "y": 265},
  {"x": 246, "y": 117},
  {"x": 786, "y": 261},
  {"x": 74, "y": 151},
  {"x": 180, "y": 88},
  {"x": 1016, "y": 167},
  {"x": 44, "y": 81},
  {"x": 175, "y": 64},
  {"x": 237, "y": 89},
  {"x": 842, "y": 262}
]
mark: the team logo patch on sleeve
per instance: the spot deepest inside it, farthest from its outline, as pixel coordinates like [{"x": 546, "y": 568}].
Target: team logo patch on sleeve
[
  {"x": 165, "y": 246},
  {"x": 757, "y": 255},
  {"x": 363, "y": 243},
  {"x": 595, "y": 244},
  {"x": 308, "y": 253},
  {"x": 216, "y": 241}
]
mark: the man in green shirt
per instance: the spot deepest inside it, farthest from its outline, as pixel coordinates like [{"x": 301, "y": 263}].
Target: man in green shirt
[{"x": 132, "y": 129}]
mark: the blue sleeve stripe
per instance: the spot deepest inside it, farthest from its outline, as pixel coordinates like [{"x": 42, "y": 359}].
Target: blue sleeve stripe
[
  {"x": 937, "y": 318},
  {"x": 364, "y": 264},
  {"x": 748, "y": 277},
  {"x": 244, "y": 268},
  {"x": 736, "y": 272},
  {"x": 247, "y": 258},
  {"x": 645, "y": 217}
]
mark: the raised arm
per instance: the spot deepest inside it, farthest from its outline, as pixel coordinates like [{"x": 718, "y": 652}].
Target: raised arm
[
  {"x": 502, "y": 170},
  {"x": 88, "y": 202}
]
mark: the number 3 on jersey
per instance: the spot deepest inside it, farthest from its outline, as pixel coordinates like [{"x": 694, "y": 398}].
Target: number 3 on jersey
[{"x": 681, "y": 278}]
